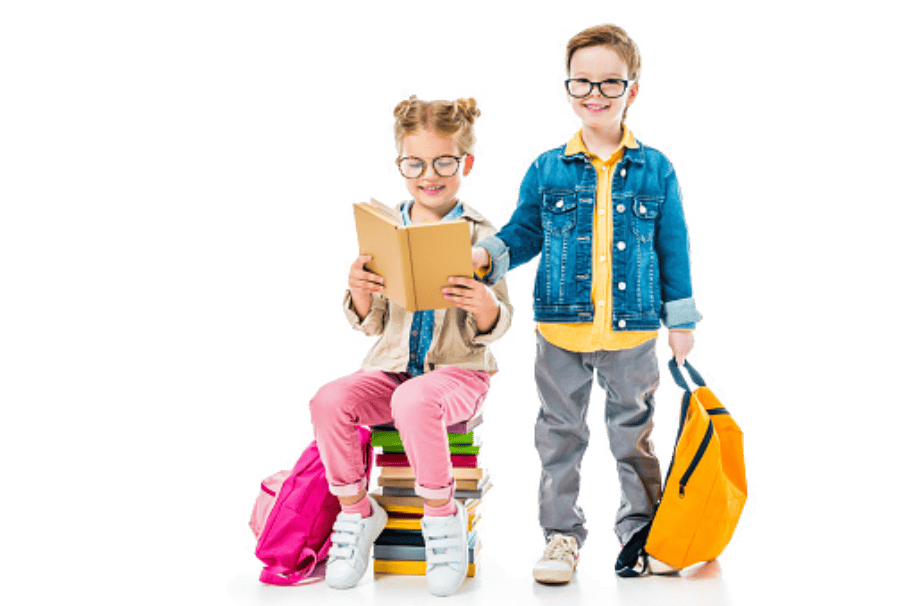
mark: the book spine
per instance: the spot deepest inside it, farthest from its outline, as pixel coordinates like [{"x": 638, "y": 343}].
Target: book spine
[
  {"x": 403, "y": 237},
  {"x": 407, "y": 473},
  {"x": 410, "y": 553},
  {"x": 394, "y": 491},
  {"x": 392, "y": 438},
  {"x": 393, "y": 460},
  {"x": 411, "y": 568},
  {"x": 395, "y": 523},
  {"x": 459, "y": 427}
]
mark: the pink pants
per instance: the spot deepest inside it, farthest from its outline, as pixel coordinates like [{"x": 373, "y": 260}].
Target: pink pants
[{"x": 421, "y": 408}]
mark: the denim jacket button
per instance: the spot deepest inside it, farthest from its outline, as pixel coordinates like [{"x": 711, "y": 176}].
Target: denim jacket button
[
  {"x": 621, "y": 323},
  {"x": 559, "y": 203},
  {"x": 642, "y": 209},
  {"x": 620, "y": 208},
  {"x": 621, "y": 245},
  {"x": 623, "y": 172},
  {"x": 621, "y": 285}
]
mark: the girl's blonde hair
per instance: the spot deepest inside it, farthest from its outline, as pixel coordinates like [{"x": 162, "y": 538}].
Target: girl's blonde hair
[{"x": 447, "y": 118}]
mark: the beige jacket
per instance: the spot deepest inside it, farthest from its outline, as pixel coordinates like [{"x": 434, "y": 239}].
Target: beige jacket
[{"x": 455, "y": 341}]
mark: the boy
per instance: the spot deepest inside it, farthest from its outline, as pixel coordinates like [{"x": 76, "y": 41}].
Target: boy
[{"x": 605, "y": 212}]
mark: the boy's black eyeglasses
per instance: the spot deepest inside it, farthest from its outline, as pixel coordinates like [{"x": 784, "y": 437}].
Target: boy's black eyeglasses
[
  {"x": 412, "y": 167},
  {"x": 610, "y": 89}
]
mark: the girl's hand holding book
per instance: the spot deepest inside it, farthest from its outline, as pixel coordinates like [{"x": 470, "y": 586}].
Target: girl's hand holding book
[
  {"x": 475, "y": 297},
  {"x": 362, "y": 284}
]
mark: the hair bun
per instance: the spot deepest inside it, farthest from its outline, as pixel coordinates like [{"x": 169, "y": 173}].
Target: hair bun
[
  {"x": 468, "y": 109},
  {"x": 404, "y": 106},
  {"x": 447, "y": 118}
]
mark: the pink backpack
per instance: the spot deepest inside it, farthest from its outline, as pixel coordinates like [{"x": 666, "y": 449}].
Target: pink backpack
[{"x": 293, "y": 517}]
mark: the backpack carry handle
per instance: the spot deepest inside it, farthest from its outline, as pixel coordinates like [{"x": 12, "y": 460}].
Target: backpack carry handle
[
  {"x": 698, "y": 380},
  {"x": 695, "y": 376}
]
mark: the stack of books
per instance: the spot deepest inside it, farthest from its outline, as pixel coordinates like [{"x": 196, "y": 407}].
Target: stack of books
[{"x": 400, "y": 548}]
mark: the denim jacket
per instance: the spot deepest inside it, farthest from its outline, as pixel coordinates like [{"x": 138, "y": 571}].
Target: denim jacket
[{"x": 650, "y": 252}]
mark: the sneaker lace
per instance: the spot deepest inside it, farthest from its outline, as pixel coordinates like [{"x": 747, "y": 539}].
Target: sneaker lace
[{"x": 559, "y": 548}]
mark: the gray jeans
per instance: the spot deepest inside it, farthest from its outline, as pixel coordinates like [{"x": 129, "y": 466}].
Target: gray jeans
[{"x": 564, "y": 380}]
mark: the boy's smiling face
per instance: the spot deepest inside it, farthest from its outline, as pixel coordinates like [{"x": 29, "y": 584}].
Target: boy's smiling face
[{"x": 597, "y": 63}]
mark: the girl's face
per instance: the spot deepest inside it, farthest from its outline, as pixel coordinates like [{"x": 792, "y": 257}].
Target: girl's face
[{"x": 433, "y": 194}]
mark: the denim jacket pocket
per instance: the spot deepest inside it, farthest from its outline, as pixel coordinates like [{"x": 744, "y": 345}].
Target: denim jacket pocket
[
  {"x": 559, "y": 211},
  {"x": 646, "y": 211},
  {"x": 559, "y": 220}
]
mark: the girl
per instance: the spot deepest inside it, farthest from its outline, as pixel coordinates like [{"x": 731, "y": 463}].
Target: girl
[{"x": 428, "y": 369}]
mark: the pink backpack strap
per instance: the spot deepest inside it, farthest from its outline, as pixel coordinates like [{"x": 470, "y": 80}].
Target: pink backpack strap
[
  {"x": 323, "y": 552},
  {"x": 280, "y": 575}
]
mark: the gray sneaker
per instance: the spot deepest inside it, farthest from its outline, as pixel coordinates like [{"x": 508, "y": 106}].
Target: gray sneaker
[{"x": 558, "y": 561}]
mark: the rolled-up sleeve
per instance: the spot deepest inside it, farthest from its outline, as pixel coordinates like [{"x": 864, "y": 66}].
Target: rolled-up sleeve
[
  {"x": 499, "y": 257},
  {"x": 374, "y": 322},
  {"x": 681, "y": 313}
]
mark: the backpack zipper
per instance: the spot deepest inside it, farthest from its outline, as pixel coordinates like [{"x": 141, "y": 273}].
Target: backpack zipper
[{"x": 704, "y": 444}]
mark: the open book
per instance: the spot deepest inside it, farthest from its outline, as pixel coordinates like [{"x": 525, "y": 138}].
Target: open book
[{"x": 415, "y": 260}]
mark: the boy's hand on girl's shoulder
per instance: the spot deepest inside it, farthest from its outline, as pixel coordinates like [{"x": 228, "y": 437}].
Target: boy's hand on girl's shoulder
[
  {"x": 681, "y": 343},
  {"x": 481, "y": 259},
  {"x": 362, "y": 284},
  {"x": 475, "y": 297}
]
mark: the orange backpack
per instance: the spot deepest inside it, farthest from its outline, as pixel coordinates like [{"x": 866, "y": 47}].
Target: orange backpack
[{"x": 705, "y": 488}]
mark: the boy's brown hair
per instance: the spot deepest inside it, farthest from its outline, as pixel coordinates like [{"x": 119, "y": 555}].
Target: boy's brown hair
[
  {"x": 611, "y": 36},
  {"x": 447, "y": 118}
]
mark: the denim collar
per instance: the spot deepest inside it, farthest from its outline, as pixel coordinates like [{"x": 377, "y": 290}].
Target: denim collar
[{"x": 633, "y": 150}]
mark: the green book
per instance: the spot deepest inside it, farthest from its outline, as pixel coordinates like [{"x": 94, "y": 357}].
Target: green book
[
  {"x": 459, "y": 449},
  {"x": 392, "y": 439}
]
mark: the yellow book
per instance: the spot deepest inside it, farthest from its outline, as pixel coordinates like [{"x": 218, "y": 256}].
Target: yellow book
[
  {"x": 410, "y": 567},
  {"x": 414, "y": 523},
  {"x": 415, "y": 260}
]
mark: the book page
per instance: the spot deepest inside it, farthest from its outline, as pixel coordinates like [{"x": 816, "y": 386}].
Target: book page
[
  {"x": 437, "y": 252},
  {"x": 381, "y": 237}
]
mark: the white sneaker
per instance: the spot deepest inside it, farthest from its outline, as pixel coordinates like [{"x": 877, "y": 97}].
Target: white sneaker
[
  {"x": 647, "y": 565},
  {"x": 351, "y": 543},
  {"x": 660, "y": 567},
  {"x": 558, "y": 561},
  {"x": 447, "y": 553}
]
